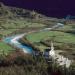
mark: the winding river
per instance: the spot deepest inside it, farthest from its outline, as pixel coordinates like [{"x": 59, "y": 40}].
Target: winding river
[{"x": 13, "y": 40}]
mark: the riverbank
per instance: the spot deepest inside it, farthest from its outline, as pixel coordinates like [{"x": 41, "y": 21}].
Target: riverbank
[
  {"x": 13, "y": 40},
  {"x": 27, "y": 46}
]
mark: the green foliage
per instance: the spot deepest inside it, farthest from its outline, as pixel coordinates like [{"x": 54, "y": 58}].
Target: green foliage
[
  {"x": 37, "y": 37},
  {"x": 5, "y": 49}
]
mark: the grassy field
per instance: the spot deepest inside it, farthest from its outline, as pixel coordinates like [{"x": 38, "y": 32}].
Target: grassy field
[
  {"x": 7, "y": 31},
  {"x": 5, "y": 49},
  {"x": 68, "y": 27},
  {"x": 13, "y": 25},
  {"x": 61, "y": 39},
  {"x": 58, "y": 36}
]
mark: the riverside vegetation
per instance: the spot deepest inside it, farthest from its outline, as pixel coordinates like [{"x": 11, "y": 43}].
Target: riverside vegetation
[{"x": 14, "y": 61}]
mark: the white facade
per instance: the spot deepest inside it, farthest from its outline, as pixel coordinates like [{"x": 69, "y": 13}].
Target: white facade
[{"x": 52, "y": 52}]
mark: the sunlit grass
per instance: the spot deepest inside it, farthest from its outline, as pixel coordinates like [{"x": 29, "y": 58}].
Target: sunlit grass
[
  {"x": 58, "y": 36},
  {"x": 4, "y": 48}
]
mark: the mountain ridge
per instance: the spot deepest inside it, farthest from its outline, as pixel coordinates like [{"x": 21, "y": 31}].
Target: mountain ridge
[{"x": 54, "y": 8}]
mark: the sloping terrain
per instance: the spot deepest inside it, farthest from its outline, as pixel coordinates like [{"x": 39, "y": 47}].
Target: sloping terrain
[{"x": 15, "y": 21}]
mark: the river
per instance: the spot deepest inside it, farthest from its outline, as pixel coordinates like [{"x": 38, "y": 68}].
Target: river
[{"x": 14, "y": 40}]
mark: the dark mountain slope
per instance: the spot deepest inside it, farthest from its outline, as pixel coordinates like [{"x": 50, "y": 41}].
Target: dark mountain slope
[{"x": 56, "y": 8}]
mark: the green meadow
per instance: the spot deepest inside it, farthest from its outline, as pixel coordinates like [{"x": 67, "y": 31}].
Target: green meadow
[
  {"x": 5, "y": 49},
  {"x": 55, "y": 35},
  {"x": 11, "y": 26}
]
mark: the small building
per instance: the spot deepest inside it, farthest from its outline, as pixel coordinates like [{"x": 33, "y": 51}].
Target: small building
[{"x": 49, "y": 53}]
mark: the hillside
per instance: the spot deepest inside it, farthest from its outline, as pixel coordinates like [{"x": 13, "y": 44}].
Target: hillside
[
  {"x": 24, "y": 37},
  {"x": 15, "y": 21},
  {"x": 19, "y": 12},
  {"x": 13, "y": 18}
]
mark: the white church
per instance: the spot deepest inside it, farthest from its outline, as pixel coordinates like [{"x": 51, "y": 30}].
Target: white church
[{"x": 50, "y": 52}]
